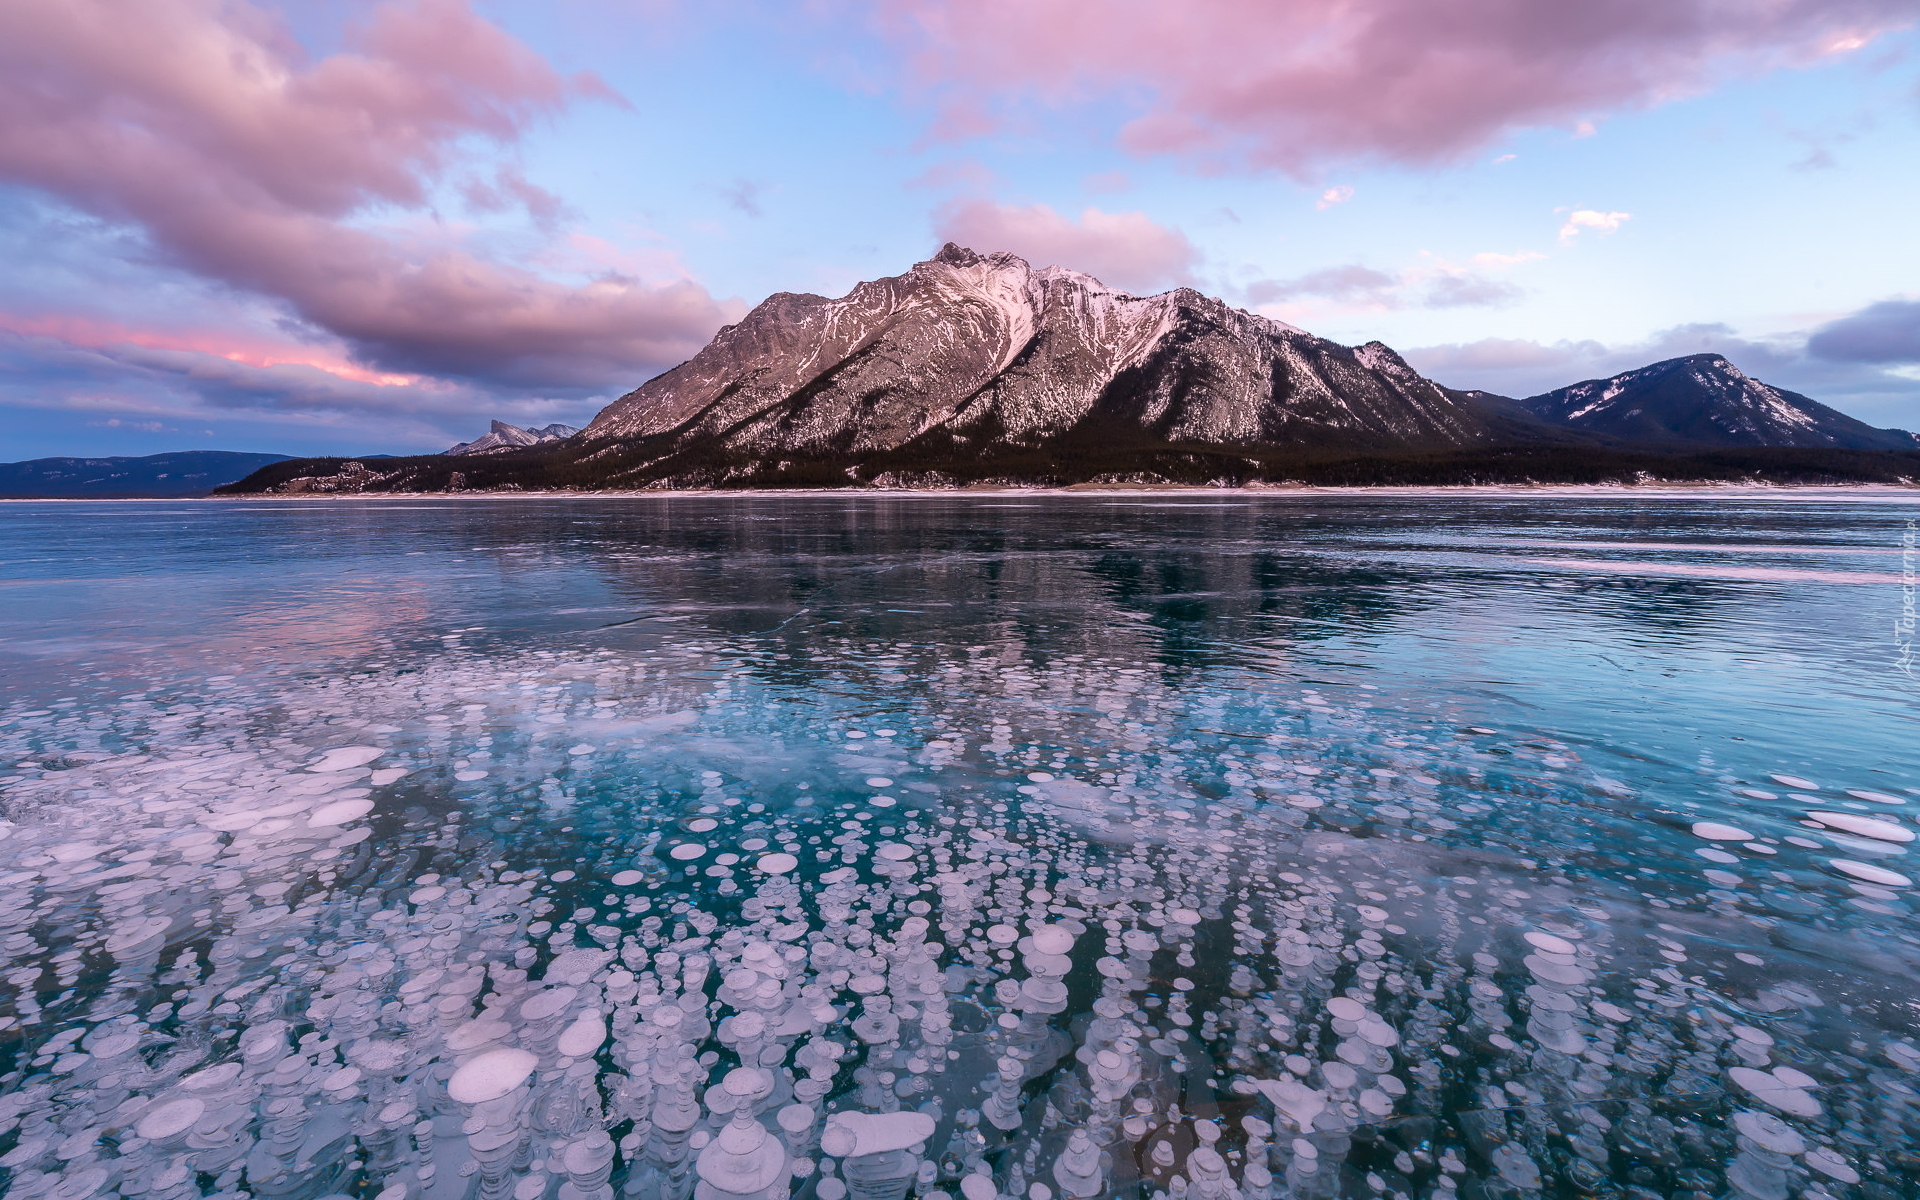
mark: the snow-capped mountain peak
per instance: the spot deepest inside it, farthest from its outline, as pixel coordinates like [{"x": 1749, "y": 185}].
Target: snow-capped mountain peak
[
  {"x": 1702, "y": 399},
  {"x": 982, "y": 351},
  {"x": 503, "y": 436}
]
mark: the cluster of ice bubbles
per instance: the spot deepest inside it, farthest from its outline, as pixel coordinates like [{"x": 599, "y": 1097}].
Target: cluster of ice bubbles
[{"x": 446, "y": 934}]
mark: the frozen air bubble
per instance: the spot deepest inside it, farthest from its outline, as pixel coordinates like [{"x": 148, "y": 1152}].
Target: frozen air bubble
[
  {"x": 1781, "y": 1088},
  {"x": 702, "y": 825},
  {"x": 1876, "y": 797},
  {"x": 627, "y": 878},
  {"x": 1549, "y": 943},
  {"x": 339, "y": 813},
  {"x": 491, "y": 1075},
  {"x": 777, "y": 864},
  {"x": 1794, "y": 781},
  {"x": 166, "y": 1119},
  {"x": 687, "y": 851},
  {"x": 345, "y": 758},
  {"x": 1052, "y": 939},
  {"x": 857, "y": 1134},
  {"x": 1870, "y": 873},
  {"x": 1828, "y": 1162},
  {"x": 1714, "y": 831},
  {"x": 1867, "y": 827},
  {"x": 584, "y": 1036}
]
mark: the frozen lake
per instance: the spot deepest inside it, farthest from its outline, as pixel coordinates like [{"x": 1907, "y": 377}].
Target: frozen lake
[{"x": 1135, "y": 846}]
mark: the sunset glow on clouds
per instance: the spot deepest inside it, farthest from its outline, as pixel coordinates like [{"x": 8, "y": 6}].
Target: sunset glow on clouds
[{"x": 374, "y": 226}]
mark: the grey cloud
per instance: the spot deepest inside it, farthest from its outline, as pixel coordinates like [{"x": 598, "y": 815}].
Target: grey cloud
[
  {"x": 1356, "y": 284},
  {"x": 744, "y": 194},
  {"x": 1351, "y": 284},
  {"x": 1887, "y": 332},
  {"x": 1471, "y": 291}
]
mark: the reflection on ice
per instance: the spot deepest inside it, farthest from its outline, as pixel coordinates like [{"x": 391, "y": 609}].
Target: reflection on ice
[{"x": 578, "y": 927}]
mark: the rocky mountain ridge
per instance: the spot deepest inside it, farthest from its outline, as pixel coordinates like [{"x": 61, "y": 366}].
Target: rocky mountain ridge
[
  {"x": 503, "y": 436},
  {"x": 987, "y": 353}
]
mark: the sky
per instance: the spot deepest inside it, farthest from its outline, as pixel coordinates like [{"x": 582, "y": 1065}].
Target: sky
[{"x": 356, "y": 228}]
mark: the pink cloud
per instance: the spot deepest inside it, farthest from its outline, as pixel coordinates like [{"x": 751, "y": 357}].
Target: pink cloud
[
  {"x": 236, "y": 346},
  {"x": 147, "y": 375},
  {"x": 203, "y": 124},
  {"x": 1127, "y": 250},
  {"x": 1295, "y": 83},
  {"x": 1339, "y": 194}
]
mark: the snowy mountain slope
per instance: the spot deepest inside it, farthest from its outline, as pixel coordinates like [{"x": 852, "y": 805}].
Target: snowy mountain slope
[
  {"x": 511, "y": 437},
  {"x": 985, "y": 351},
  {"x": 1704, "y": 400}
]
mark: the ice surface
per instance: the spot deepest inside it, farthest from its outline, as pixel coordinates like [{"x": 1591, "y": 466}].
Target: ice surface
[{"x": 1131, "y": 928}]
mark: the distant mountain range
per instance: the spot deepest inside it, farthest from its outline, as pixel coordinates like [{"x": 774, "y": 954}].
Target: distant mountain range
[
  {"x": 511, "y": 437},
  {"x": 1704, "y": 400},
  {"x": 186, "y": 473},
  {"x": 974, "y": 368}
]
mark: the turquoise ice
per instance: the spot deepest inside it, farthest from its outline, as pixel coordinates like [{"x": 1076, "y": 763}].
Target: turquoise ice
[{"x": 968, "y": 847}]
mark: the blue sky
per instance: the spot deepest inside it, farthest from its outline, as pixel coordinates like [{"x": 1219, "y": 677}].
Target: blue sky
[{"x": 391, "y": 223}]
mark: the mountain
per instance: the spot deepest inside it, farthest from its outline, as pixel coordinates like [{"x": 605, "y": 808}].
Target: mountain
[
  {"x": 976, "y": 356},
  {"x": 511, "y": 437},
  {"x": 186, "y": 473},
  {"x": 1704, "y": 400},
  {"x": 977, "y": 368}
]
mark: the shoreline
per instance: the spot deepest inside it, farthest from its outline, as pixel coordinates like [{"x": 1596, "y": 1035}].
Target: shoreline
[{"x": 1883, "y": 491}]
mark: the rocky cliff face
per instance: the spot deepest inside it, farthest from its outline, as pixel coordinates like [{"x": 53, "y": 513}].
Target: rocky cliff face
[
  {"x": 1704, "y": 400},
  {"x": 987, "y": 352}
]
